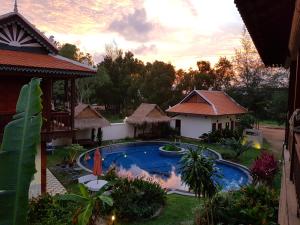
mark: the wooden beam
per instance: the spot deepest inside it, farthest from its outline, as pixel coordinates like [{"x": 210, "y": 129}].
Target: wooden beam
[{"x": 294, "y": 41}]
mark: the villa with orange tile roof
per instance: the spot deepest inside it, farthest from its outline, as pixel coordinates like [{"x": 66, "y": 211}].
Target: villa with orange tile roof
[{"x": 203, "y": 111}]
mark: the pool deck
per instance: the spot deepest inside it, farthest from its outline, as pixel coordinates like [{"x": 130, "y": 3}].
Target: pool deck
[{"x": 53, "y": 185}]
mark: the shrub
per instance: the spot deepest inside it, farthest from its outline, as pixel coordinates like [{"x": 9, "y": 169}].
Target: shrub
[
  {"x": 47, "y": 211},
  {"x": 218, "y": 135},
  {"x": 250, "y": 205},
  {"x": 99, "y": 137},
  {"x": 264, "y": 168},
  {"x": 73, "y": 152},
  {"x": 237, "y": 146},
  {"x": 171, "y": 148},
  {"x": 168, "y": 132},
  {"x": 137, "y": 198},
  {"x": 111, "y": 174}
]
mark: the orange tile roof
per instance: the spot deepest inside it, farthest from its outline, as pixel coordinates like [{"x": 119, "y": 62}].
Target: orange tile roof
[
  {"x": 218, "y": 103},
  {"x": 40, "y": 61}
]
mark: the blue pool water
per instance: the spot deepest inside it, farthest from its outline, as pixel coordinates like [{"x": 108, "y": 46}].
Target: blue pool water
[{"x": 144, "y": 159}]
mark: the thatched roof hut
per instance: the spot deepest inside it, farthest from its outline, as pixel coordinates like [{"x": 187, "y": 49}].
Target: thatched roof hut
[
  {"x": 148, "y": 114},
  {"x": 87, "y": 117}
]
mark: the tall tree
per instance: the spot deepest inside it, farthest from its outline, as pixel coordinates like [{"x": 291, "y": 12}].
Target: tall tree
[
  {"x": 224, "y": 74},
  {"x": 157, "y": 84}
]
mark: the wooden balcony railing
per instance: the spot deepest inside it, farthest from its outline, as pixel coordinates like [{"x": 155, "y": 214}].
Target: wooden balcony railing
[
  {"x": 295, "y": 169},
  {"x": 60, "y": 121}
]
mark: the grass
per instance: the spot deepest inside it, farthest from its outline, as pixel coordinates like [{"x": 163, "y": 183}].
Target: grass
[
  {"x": 271, "y": 123},
  {"x": 178, "y": 211}
]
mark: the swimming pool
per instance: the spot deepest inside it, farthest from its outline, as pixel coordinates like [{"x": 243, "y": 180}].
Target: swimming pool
[{"x": 143, "y": 159}]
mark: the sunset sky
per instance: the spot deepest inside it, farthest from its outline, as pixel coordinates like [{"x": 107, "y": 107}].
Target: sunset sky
[{"x": 176, "y": 31}]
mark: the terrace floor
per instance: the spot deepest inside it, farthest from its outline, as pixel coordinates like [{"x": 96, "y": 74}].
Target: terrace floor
[{"x": 53, "y": 185}]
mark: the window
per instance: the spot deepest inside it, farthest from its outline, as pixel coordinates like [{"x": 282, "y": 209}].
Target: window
[
  {"x": 178, "y": 126},
  {"x": 227, "y": 125},
  {"x": 232, "y": 125},
  {"x": 219, "y": 126},
  {"x": 213, "y": 127}
]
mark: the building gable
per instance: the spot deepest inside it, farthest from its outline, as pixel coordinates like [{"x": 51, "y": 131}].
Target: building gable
[
  {"x": 88, "y": 112},
  {"x": 16, "y": 33},
  {"x": 156, "y": 113},
  {"x": 194, "y": 98}
]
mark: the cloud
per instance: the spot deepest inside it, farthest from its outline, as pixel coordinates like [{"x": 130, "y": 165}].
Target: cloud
[
  {"x": 133, "y": 26},
  {"x": 144, "y": 49},
  {"x": 179, "y": 31}
]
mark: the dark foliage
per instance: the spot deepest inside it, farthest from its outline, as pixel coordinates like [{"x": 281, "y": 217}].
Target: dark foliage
[
  {"x": 218, "y": 135},
  {"x": 45, "y": 210},
  {"x": 137, "y": 199},
  {"x": 264, "y": 168},
  {"x": 250, "y": 205}
]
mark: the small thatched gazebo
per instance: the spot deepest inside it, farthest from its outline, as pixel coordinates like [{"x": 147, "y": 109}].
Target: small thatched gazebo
[
  {"x": 88, "y": 123},
  {"x": 149, "y": 118}
]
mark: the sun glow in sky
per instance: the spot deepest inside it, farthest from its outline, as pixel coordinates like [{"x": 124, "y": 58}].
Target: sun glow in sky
[{"x": 177, "y": 31}]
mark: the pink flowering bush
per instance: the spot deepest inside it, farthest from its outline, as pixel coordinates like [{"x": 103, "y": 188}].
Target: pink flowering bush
[{"x": 264, "y": 168}]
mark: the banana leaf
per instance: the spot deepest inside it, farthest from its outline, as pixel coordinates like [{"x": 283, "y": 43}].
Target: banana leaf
[{"x": 17, "y": 155}]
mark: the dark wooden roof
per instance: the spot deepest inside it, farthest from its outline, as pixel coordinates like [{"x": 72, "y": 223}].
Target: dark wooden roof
[{"x": 269, "y": 24}]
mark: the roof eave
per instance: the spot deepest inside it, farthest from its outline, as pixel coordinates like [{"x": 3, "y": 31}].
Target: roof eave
[{"x": 44, "y": 71}]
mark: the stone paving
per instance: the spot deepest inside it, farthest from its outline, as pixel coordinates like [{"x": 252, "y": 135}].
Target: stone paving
[{"x": 53, "y": 185}]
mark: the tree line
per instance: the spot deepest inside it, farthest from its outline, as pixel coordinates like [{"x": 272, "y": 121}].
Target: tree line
[{"x": 123, "y": 81}]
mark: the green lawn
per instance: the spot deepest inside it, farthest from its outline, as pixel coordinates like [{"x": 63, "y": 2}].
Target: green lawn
[{"x": 178, "y": 211}]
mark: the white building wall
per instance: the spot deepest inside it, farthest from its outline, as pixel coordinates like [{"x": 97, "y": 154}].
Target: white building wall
[
  {"x": 192, "y": 126},
  {"x": 117, "y": 131},
  {"x": 195, "y": 126},
  {"x": 223, "y": 120}
]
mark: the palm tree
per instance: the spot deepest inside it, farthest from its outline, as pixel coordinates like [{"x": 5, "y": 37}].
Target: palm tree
[
  {"x": 197, "y": 173},
  {"x": 89, "y": 204},
  {"x": 237, "y": 145}
]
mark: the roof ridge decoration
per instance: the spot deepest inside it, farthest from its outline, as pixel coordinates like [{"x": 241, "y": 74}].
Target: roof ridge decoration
[
  {"x": 16, "y": 6},
  {"x": 17, "y": 31},
  {"x": 73, "y": 61}
]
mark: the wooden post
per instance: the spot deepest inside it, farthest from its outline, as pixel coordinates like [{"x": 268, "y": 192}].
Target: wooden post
[
  {"x": 66, "y": 94},
  {"x": 43, "y": 167},
  {"x": 72, "y": 106},
  {"x": 46, "y": 129}
]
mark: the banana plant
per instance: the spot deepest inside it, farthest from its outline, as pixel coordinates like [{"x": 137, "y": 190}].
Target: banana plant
[
  {"x": 17, "y": 154},
  {"x": 89, "y": 204}
]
